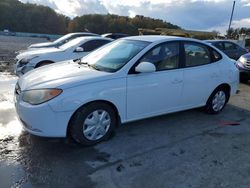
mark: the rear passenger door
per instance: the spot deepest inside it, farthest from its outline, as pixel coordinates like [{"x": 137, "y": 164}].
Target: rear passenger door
[{"x": 201, "y": 73}]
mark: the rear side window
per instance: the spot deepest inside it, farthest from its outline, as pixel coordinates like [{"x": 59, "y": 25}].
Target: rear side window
[
  {"x": 219, "y": 45},
  {"x": 196, "y": 54},
  {"x": 93, "y": 44},
  {"x": 230, "y": 46}
]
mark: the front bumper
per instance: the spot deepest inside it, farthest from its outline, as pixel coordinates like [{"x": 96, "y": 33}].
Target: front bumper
[
  {"x": 243, "y": 70},
  {"x": 41, "y": 120}
]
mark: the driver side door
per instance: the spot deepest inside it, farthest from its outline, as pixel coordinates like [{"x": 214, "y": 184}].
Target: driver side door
[{"x": 159, "y": 92}]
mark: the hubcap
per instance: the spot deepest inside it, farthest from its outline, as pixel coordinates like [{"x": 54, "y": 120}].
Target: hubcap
[
  {"x": 96, "y": 125},
  {"x": 219, "y": 101}
]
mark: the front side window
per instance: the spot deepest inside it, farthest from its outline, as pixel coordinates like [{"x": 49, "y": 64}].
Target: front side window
[
  {"x": 164, "y": 56},
  {"x": 230, "y": 46},
  {"x": 114, "y": 55},
  {"x": 196, "y": 54},
  {"x": 93, "y": 44}
]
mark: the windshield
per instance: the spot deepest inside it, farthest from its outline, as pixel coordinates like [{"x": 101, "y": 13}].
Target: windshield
[
  {"x": 114, "y": 55},
  {"x": 70, "y": 44},
  {"x": 61, "y": 39}
]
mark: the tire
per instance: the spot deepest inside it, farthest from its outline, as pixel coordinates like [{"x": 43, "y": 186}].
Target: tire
[
  {"x": 220, "y": 96},
  {"x": 43, "y": 63},
  {"x": 93, "y": 123},
  {"x": 243, "y": 79}
]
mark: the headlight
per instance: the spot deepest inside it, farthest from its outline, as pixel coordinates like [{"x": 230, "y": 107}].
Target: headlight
[
  {"x": 243, "y": 60},
  {"x": 24, "y": 61},
  {"x": 38, "y": 96}
]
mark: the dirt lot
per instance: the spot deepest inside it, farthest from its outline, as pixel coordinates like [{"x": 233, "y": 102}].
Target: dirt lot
[
  {"x": 185, "y": 149},
  {"x": 9, "y": 45}
]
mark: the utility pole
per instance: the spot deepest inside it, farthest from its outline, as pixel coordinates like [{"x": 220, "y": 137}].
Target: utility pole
[{"x": 232, "y": 13}]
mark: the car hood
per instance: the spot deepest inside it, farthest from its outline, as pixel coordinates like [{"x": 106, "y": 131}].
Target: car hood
[
  {"x": 33, "y": 53},
  {"x": 41, "y": 45},
  {"x": 61, "y": 75},
  {"x": 247, "y": 56}
]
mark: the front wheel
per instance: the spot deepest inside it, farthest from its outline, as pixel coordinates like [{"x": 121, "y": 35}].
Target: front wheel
[
  {"x": 217, "y": 101},
  {"x": 93, "y": 123}
]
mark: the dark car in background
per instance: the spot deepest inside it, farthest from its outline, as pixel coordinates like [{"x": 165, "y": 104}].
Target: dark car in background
[
  {"x": 231, "y": 49},
  {"x": 115, "y": 35},
  {"x": 244, "y": 67},
  {"x": 62, "y": 40}
]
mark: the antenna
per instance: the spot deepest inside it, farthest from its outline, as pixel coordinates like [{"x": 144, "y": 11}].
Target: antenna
[{"x": 232, "y": 13}]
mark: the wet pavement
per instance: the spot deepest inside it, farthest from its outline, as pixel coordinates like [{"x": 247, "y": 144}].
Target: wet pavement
[{"x": 185, "y": 149}]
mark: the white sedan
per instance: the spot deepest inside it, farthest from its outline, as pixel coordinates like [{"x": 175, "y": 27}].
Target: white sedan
[
  {"x": 74, "y": 49},
  {"x": 127, "y": 80}
]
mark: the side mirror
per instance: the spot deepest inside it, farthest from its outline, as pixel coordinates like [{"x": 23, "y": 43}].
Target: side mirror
[
  {"x": 145, "y": 67},
  {"x": 79, "y": 49}
]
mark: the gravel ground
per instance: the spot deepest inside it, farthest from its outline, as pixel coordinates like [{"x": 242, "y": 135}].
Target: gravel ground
[
  {"x": 9, "y": 45},
  {"x": 188, "y": 149}
]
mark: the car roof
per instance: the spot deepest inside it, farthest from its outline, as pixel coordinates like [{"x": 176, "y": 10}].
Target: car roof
[
  {"x": 123, "y": 34},
  {"x": 211, "y": 41},
  {"x": 155, "y": 38},
  {"x": 87, "y": 38},
  {"x": 84, "y": 33}
]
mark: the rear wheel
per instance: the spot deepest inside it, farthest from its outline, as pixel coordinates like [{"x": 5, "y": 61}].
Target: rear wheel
[
  {"x": 217, "y": 101},
  {"x": 93, "y": 123}
]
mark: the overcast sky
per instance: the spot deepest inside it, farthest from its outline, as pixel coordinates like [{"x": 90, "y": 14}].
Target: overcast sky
[{"x": 189, "y": 14}]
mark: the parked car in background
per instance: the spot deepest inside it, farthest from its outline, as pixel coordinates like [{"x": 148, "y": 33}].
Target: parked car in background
[
  {"x": 61, "y": 40},
  {"x": 8, "y": 33},
  {"x": 115, "y": 35},
  {"x": 231, "y": 49},
  {"x": 127, "y": 80},
  {"x": 244, "y": 67},
  {"x": 75, "y": 49}
]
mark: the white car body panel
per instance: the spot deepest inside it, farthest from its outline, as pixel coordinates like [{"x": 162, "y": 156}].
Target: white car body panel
[
  {"x": 135, "y": 96},
  {"x": 194, "y": 78},
  {"x": 37, "y": 45},
  {"x": 160, "y": 96}
]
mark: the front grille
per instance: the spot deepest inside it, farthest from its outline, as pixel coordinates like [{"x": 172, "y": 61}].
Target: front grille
[{"x": 247, "y": 64}]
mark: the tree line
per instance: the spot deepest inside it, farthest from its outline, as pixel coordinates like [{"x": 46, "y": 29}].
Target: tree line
[
  {"x": 25, "y": 17},
  {"x": 234, "y": 33}
]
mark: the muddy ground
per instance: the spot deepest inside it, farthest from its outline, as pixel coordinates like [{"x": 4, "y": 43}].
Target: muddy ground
[{"x": 182, "y": 150}]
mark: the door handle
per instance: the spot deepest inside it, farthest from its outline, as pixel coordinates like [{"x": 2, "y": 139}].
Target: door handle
[{"x": 177, "y": 81}]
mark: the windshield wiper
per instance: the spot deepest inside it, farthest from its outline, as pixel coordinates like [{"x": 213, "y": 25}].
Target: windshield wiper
[
  {"x": 86, "y": 63},
  {"x": 80, "y": 62},
  {"x": 94, "y": 67}
]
